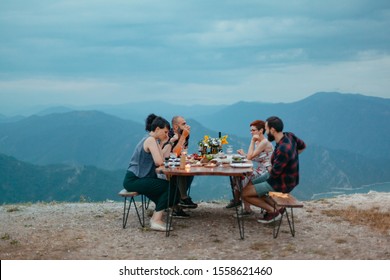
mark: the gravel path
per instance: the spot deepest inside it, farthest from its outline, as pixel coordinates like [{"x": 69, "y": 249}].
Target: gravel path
[{"x": 93, "y": 231}]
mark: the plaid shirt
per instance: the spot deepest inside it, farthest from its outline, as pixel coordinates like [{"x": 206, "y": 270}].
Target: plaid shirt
[{"x": 284, "y": 175}]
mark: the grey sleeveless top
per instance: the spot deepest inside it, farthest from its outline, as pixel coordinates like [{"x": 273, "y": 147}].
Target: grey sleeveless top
[{"x": 141, "y": 162}]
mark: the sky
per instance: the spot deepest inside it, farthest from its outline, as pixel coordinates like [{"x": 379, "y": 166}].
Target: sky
[{"x": 87, "y": 52}]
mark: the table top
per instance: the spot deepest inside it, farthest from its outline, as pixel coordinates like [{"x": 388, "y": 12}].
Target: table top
[
  {"x": 234, "y": 173},
  {"x": 221, "y": 170}
]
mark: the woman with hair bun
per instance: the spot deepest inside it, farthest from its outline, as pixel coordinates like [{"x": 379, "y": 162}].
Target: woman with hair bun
[{"x": 141, "y": 176}]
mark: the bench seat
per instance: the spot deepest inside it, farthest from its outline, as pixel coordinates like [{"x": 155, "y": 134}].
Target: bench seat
[
  {"x": 126, "y": 209},
  {"x": 287, "y": 201}
]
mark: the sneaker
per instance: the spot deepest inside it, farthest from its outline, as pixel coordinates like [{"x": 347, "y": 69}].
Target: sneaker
[
  {"x": 179, "y": 213},
  {"x": 282, "y": 210},
  {"x": 187, "y": 203},
  {"x": 270, "y": 217},
  {"x": 262, "y": 215},
  {"x": 233, "y": 204},
  {"x": 158, "y": 227},
  {"x": 244, "y": 214}
]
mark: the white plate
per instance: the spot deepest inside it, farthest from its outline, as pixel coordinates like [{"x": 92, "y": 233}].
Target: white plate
[
  {"x": 238, "y": 156},
  {"x": 239, "y": 161},
  {"x": 241, "y": 164}
]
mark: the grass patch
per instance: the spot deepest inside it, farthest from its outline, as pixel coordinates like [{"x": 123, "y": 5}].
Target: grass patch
[
  {"x": 290, "y": 247},
  {"x": 373, "y": 218},
  {"x": 259, "y": 246},
  {"x": 14, "y": 242},
  {"x": 5, "y": 236},
  {"x": 13, "y": 209},
  {"x": 340, "y": 241}
]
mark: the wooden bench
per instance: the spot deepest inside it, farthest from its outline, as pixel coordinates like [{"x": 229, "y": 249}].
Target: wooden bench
[
  {"x": 287, "y": 201},
  {"x": 126, "y": 210}
]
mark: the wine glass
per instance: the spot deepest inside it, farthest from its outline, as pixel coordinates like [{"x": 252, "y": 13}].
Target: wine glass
[{"x": 229, "y": 150}]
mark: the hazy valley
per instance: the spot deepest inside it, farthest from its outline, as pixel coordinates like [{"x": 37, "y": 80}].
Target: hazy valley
[{"x": 70, "y": 155}]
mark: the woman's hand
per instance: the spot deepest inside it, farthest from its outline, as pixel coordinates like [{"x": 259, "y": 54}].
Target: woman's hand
[
  {"x": 175, "y": 137},
  {"x": 255, "y": 138},
  {"x": 165, "y": 140}
]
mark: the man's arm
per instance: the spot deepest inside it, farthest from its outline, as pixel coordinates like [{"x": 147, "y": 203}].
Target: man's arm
[
  {"x": 180, "y": 144},
  {"x": 301, "y": 146}
]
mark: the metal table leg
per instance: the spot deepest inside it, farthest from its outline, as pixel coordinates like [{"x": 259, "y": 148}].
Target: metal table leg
[
  {"x": 240, "y": 220},
  {"x": 170, "y": 209}
]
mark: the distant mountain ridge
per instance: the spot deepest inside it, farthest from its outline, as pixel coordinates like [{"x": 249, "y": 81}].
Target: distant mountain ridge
[
  {"x": 82, "y": 137},
  {"x": 136, "y": 110},
  {"x": 350, "y": 122},
  {"x": 25, "y": 182},
  {"x": 322, "y": 171},
  {"x": 74, "y": 138},
  {"x": 346, "y": 138}
]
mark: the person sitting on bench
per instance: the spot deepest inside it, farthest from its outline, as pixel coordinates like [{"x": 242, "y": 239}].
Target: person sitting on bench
[
  {"x": 141, "y": 174},
  {"x": 283, "y": 173}
]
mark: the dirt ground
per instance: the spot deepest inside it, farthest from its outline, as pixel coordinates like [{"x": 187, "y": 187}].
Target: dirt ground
[{"x": 93, "y": 231}]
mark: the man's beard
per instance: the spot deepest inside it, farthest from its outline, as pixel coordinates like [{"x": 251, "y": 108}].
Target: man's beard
[{"x": 270, "y": 137}]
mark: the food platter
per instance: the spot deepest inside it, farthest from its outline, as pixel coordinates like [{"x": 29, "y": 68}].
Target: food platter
[
  {"x": 239, "y": 160},
  {"x": 241, "y": 165},
  {"x": 210, "y": 165}
]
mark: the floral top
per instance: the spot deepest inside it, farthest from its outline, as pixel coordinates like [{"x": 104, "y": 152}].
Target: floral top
[{"x": 263, "y": 160}]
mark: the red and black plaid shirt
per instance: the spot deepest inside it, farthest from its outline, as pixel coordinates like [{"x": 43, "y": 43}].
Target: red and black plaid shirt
[{"x": 284, "y": 175}]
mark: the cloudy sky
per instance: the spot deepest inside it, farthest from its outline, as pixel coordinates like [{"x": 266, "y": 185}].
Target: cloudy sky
[{"x": 80, "y": 52}]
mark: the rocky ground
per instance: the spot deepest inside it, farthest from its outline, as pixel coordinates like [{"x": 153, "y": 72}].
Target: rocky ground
[{"x": 92, "y": 231}]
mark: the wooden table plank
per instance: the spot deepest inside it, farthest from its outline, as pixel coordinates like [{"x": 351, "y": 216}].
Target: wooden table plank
[{"x": 206, "y": 171}]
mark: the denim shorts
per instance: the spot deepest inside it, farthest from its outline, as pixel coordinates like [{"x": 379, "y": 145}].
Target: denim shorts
[{"x": 261, "y": 185}]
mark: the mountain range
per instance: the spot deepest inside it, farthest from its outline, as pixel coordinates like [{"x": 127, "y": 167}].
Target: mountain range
[
  {"x": 81, "y": 137},
  {"x": 26, "y": 182},
  {"x": 350, "y": 122},
  {"x": 330, "y": 119},
  {"x": 346, "y": 136}
]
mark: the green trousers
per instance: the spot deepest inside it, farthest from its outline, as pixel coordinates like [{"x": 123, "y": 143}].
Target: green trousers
[{"x": 153, "y": 188}]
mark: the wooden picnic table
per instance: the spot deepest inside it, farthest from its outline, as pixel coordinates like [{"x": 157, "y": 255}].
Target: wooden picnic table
[{"x": 234, "y": 173}]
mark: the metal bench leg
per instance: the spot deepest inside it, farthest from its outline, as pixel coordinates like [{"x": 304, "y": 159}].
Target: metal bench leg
[
  {"x": 141, "y": 222},
  {"x": 144, "y": 207},
  {"x": 125, "y": 214},
  {"x": 126, "y": 211},
  {"x": 291, "y": 223},
  {"x": 146, "y": 202},
  {"x": 276, "y": 230}
]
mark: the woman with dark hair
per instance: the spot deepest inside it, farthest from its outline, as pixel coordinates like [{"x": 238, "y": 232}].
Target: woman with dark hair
[
  {"x": 141, "y": 176},
  {"x": 148, "y": 122}
]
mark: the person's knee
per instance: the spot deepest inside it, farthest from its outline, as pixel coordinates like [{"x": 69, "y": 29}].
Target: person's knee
[{"x": 246, "y": 192}]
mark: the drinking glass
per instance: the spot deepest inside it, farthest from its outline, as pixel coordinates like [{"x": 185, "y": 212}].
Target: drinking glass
[{"x": 229, "y": 150}]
